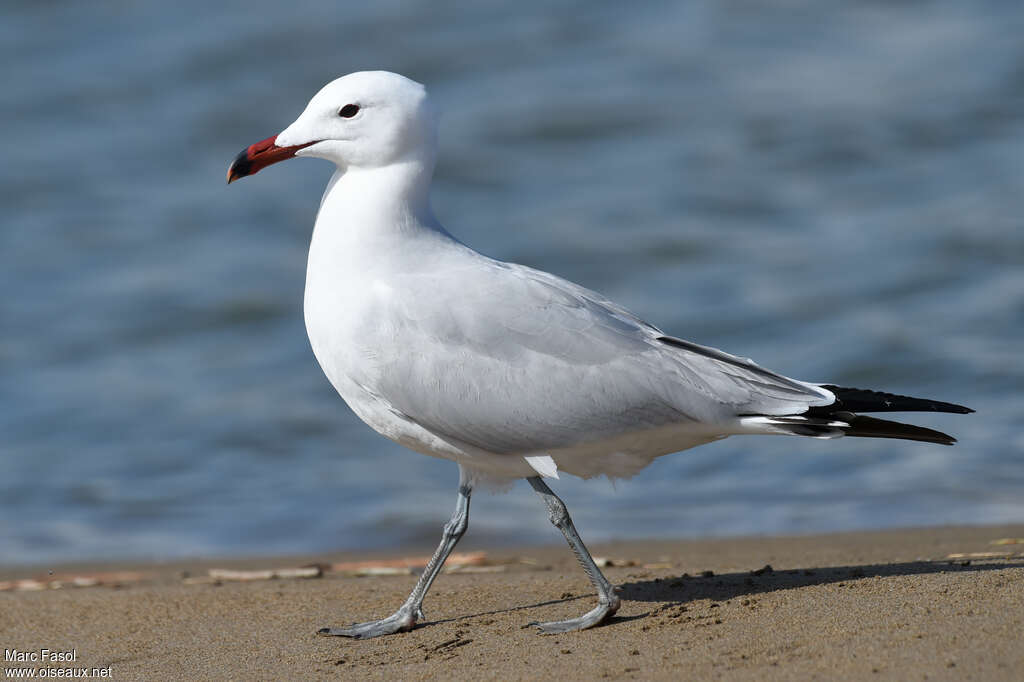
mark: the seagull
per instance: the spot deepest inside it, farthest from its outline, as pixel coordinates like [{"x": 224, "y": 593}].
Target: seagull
[{"x": 509, "y": 371}]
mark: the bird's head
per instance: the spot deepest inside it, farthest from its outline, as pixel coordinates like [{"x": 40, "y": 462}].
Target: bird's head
[{"x": 366, "y": 119}]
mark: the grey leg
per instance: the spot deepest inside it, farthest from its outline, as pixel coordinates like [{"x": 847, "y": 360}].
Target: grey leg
[
  {"x": 411, "y": 611},
  {"x": 607, "y": 600}
]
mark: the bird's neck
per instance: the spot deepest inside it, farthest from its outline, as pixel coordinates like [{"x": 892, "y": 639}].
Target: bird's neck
[
  {"x": 373, "y": 221},
  {"x": 378, "y": 203}
]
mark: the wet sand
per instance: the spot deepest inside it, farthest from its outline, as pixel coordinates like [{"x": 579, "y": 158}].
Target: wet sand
[{"x": 930, "y": 604}]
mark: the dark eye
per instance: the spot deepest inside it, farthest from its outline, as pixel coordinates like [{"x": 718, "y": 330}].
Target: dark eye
[{"x": 348, "y": 111}]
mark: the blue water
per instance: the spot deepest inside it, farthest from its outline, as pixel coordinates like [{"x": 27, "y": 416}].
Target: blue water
[{"x": 835, "y": 190}]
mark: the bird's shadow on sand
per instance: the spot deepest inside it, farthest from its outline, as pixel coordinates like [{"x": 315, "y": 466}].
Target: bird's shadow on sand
[{"x": 684, "y": 589}]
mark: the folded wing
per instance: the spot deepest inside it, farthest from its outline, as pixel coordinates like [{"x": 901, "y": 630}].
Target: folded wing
[{"x": 519, "y": 361}]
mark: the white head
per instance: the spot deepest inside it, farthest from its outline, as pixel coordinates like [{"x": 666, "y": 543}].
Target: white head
[{"x": 367, "y": 119}]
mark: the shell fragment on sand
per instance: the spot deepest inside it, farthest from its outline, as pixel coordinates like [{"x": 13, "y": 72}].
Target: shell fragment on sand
[
  {"x": 215, "y": 574},
  {"x": 605, "y": 562},
  {"x": 56, "y": 582},
  {"x": 408, "y": 565},
  {"x": 980, "y": 555}
]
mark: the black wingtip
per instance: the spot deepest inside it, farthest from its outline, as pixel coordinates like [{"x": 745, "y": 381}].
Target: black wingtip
[
  {"x": 863, "y": 400},
  {"x": 872, "y": 427}
]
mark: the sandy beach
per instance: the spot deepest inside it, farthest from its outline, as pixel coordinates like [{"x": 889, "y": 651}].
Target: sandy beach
[{"x": 931, "y": 604}]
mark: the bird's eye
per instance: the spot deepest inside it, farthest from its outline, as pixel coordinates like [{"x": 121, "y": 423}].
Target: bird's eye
[{"x": 348, "y": 111}]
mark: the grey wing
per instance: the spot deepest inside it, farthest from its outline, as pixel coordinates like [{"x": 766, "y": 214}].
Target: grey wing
[{"x": 519, "y": 361}]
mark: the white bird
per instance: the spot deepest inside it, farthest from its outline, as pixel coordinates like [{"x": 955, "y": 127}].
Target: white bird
[{"x": 509, "y": 371}]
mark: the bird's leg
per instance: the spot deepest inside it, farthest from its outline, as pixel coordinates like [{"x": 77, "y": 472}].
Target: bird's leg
[
  {"x": 607, "y": 600},
  {"x": 406, "y": 617}
]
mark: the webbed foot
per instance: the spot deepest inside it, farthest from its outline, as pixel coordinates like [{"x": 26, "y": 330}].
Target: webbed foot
[
  {"x": 400, "y": 621},
  {"x": 596, "y": 616}
]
